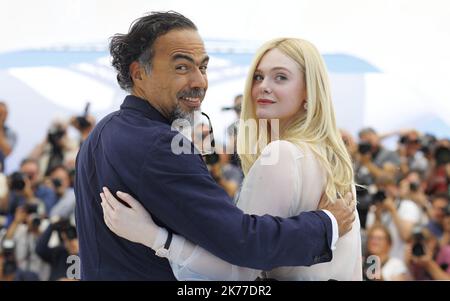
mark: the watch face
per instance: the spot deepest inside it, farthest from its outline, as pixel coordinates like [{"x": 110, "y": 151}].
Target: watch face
[{"x": 162, "y": 252}]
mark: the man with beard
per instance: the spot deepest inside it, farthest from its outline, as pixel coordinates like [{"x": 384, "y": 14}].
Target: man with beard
[{"x": 162, "y": 62}]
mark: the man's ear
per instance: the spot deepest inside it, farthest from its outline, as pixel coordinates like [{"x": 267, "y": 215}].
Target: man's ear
[{"x": 135, "y": 71}]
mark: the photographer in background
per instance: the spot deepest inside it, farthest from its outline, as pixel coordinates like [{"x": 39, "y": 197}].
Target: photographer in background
[
  {"x": 379, "y": 243},
  {"x": 439, "y": 204},
  {"x": 397, "y": 214},
  {"x": 425, "y": 258},
  {"x": 224, "y": 173},
  {"x": 59, "y": 180},
  {"x": 8, "y": 137},
  {"x": 84, "y": 123},
  {"x": 438, "y": 266},
  {"x": 232, "y": 130},
  {"x": 57, "y": 256},
  {"x": 438, "y": 180},
  {"x": 362, "y": 177},
  {"x": 26, "y": 186},
  {"x": 4, "y": 200},
  {"x": 371, "y": 161},
  {"x": 25, "y": 231},
  {"x": 55, "y": 149},
  {"x": 439, "y": 269},
  {"x": 372, "y": 157},
  {"x": 8, "y": 266},
  {"x": 412, "y": 187},
  {"x": 411, "y": 156}
]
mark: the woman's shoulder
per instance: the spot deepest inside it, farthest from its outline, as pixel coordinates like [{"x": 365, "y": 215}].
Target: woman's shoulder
[{"x": 286, "y": 148}]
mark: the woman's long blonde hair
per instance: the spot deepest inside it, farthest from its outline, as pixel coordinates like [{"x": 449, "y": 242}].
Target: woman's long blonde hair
[{"x": 316, "y": 128}]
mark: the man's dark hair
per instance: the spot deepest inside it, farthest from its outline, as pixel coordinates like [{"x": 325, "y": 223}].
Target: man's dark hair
[
  {"x": 59, "y": 166},
  {"x": 440, "y": 196},
  {"x": 137, "y": 44},
  {"x": 365, "y": 131}
]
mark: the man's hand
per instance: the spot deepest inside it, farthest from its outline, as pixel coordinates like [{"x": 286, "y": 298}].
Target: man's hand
[
  {"x": 420, "y": 198},
  {"x": 344, "y": 213},
  {"x": 83, "y": 130},
  {"x": 21, "y": 215},
  {"x": 389, "y": 205},
  {"x": 366, "y": 158},
  {"x": 28, "y": 192}
]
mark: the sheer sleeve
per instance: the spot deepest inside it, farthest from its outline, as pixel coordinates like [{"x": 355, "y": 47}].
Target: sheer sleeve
[
  {"x": 270, "y": 188},
  {"x": 192, "y": 262}
]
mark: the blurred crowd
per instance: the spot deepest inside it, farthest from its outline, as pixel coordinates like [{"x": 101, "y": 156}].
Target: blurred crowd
[
  {"x": 403, "y": 199},
  {"x": 37, "y": 203},
  {"x": 403, "y": 203}
]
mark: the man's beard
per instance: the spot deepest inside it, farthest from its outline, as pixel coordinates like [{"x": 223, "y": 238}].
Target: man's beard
[
  {"x": 180, "y": 118},
  {"x": 189, "y": 116}
]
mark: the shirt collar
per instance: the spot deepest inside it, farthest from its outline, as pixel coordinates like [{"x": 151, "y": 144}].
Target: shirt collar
[{"x": 138, "y": 104}]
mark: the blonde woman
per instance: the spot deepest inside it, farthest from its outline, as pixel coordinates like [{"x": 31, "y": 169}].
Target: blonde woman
[{"x": 288, "y": 161}]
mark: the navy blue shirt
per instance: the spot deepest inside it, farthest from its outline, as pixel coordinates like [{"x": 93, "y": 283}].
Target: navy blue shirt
[{"x": 130, "y": 150}]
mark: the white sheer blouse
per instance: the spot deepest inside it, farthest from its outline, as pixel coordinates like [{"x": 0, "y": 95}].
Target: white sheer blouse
[{"x": 284, "y": 181}]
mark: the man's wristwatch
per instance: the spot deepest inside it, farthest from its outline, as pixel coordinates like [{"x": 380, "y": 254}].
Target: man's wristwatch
[{"x": 164, "y": 250}]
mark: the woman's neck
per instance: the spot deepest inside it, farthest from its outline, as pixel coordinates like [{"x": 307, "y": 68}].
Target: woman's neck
[{"x": 276, "y": 132}]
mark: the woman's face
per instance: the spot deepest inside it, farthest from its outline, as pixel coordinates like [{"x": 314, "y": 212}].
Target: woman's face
[
  {"x": 377, "y": 242},
  {"x": 279, "y": 89}
]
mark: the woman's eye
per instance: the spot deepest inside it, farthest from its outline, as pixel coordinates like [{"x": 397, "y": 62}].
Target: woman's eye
[
  {"x": 280, "y": 77},
  {"x": 258, "y": 77}
]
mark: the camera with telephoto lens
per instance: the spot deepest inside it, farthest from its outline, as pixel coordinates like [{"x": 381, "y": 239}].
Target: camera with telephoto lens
[
  {"x": 364, "y": 148},
  {"x": 418, "y": 246},
  {"x": 17, "y": 181},
  {"x": 35, "y": 221},
  {"x": 31, "y": 208},
  {"x": 9, "y": 260},
  {"x": 403, "y": 140},
  {"x": 57, "y": 182},
  {"x": 442, "y": 155},
  {"x": 55, "y": 134},
  {"x": 66, "y": 227},
  {"x": 378, "y": 197},
  {"x": 414, "y": 186},
  {"x": 82, "y": 120},
  {"x": 71, "y": 232},
  {"x": 211, "y": 159}
]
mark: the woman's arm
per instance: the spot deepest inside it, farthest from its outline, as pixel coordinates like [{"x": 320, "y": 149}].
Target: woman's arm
[{"x": 188, "y": 261}]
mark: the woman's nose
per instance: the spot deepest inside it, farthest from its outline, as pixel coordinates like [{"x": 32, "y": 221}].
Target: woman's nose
[{"x": 265, "y": 87}]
